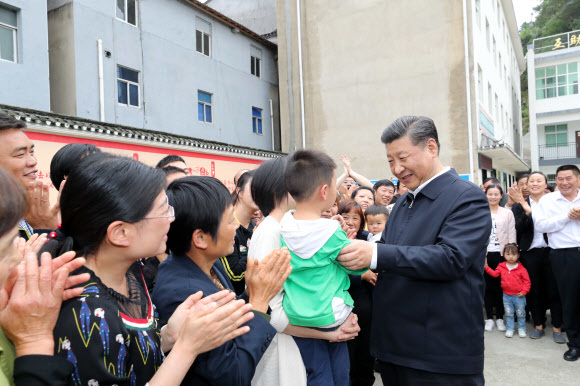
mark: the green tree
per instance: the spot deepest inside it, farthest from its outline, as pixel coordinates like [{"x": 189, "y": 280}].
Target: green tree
[{"x": 553, "y": 17}]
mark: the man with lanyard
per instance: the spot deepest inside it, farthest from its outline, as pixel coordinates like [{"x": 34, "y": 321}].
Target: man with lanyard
[
  {"x": 558, "y": 215},
  {"x": 17, "y": 157},
  {"x": 427, "y": 323}
]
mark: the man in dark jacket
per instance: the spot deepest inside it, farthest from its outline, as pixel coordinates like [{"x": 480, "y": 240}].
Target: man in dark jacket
[{"x": 427, "y": 315}]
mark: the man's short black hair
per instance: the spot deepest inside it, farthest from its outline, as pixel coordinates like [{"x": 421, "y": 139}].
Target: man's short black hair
[
  {"x": 199, "y": 203},
  {"x": 375, "y": 210},
  {"x": 492, "y": 179},
  {"x": 306, "y": 170},
  {"x": 169, "y": 159},
  {"x": 563, "y": 168},
  {"x": 9, "y": 122},
  {"x": 268, "y": 187},
  {"x": 521, "y": 176},
  {"x": 66, "y": 158},
  {"x": 385, "y": 182},
  {"x": 168, "y": 170},
  {"x": 419, "y": 129}
]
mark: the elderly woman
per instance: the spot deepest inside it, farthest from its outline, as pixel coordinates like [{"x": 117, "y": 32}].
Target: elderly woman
[
  {"x": 115, "y": 212},
  {"x": 203, "y": 231}
]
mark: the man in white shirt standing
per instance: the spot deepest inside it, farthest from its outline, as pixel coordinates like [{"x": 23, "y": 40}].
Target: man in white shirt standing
[{"x": 558, "y": 215}]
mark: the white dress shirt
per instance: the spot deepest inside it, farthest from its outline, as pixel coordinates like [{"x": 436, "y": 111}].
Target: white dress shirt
[
  {"x": 414, "y": 194},
  {"x": 538, "y": 241},
  {"x": 551, "y": 217}
]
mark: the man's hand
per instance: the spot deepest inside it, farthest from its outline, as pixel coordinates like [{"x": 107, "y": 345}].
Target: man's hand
[
  {"x": 40, "y": 215},
  {"x": 574, "y": 213},
  {"x": 347, "y": 331},
  {"x": 357, "y": 255},
  {"x": 515, "y": 194}
]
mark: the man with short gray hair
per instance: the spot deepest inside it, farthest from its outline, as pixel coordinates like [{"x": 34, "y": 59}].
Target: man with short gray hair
[{"x": 428, "y": 304}]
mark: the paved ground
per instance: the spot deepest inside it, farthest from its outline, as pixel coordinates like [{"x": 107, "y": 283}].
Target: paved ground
[{"x": 530, "y": 362}]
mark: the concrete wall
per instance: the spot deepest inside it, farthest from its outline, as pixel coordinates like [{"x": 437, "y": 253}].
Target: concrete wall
[
  {"x": 257, "y": 15},
  {"x": 62, "y": 59},
  {"x": 366, "y": 64},
  {"x": 25, "y": 83},
  {"x": 162, "y": 49}
]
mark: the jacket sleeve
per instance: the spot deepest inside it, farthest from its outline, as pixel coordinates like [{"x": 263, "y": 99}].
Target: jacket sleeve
[
  {"x": 235, "y": 362},
  {"x": 524, "y": 222},
  {"x": 511, "y": 228},
  {"x": 491, "y": 272},
  {"x": 461, "y": 242},
  {"x": 527, "y": 284},
  {"x": 42, "y": 370}
]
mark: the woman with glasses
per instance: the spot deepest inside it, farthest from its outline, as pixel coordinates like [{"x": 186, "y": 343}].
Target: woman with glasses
[{"x": 115, "y": 212}]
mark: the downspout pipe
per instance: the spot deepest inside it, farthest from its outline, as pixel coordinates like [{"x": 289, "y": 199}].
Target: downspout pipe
[
  {"x": 468, "y": 91},
  {"x": 298, "y": 25},
  {"x": 101, "y": 81}
]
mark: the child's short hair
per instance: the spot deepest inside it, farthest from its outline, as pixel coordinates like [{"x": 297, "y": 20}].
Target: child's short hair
[
  {"x": 348, "y": 205},
  {"x": 512, "y": 247},
  {"x": 306, "y": 171},
  {"x": 375, "y": 210},
  {"x": 199, "y": 203}
]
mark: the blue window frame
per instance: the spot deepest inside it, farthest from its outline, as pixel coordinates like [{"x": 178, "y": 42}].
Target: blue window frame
[
  {"x": 204, "y": 107},
  {"x": 256, "y": 120}
]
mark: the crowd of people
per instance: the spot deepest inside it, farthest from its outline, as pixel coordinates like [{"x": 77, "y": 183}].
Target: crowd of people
[{"x": 148, "y": 275}]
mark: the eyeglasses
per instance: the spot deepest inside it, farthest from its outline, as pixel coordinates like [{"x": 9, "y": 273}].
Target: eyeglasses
[{"x": 170, "y": 213}]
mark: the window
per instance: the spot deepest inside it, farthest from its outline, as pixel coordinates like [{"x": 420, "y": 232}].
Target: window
[
  {"x": 127, "y": 87},
  {"x": 204, "y": 113},
  {"x": 489, "y": 98},
  {"x": 256, "y": 120},
  {"x": 480, "y": 83},
  {"x": 127, "y": 11},
  {"x": 557, "y": 80},
  {"x": 477, "y": 17},
  {"x": 8, "y": 35},
  {"x": 203, "y": 37},
  {"x": 556, "y": 135},
  {"x": 487, "y": 34},
  {"x": 494, "y": 52},
  {"x": 256, "y": 61}
]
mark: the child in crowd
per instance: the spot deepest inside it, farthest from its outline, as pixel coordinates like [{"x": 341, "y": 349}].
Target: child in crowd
[
  {"x": 515, "y": 283},
  {"x": 376, "y": 217},
  {"x": 314, "y": 244}
]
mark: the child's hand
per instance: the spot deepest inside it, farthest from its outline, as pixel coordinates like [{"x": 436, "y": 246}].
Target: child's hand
[
  {"x": 521, "y": 295},
  {"x": 351, "y": 234},
  {"x": 370, "y": 276}
]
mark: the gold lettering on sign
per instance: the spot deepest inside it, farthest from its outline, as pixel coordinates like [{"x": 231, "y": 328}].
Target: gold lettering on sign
[{"x": 558, "y": 44}]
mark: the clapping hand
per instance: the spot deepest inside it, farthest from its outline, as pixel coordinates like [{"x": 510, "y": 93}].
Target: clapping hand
[
  {"x": 40, "y": 214},
  {"x": 515, "y": 194},
  {"x": 574, "y": 213}
]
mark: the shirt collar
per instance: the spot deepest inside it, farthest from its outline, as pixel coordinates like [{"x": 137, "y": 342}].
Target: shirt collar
[
  {"x": 561, "y": 196},
  {"x": 422, "y": 186}
]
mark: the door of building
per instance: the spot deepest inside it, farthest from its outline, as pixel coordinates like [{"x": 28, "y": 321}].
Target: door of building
[{"x": 578, "y": 144}]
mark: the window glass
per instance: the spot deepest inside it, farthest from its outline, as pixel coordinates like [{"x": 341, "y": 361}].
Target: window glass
[
  {"x": 572, "y": 67},
  {"x": 561, "y": 69},
  {"x": 551, "y": 92},
  {"x": 208, "y": 113},
  {"x": 8, "y": 17},
  {"x": 562, "y": 139},
  {"x": 134, "y": 95},
  {"x": 122, "y": 92},
  {"x": 540, "y": 94},
  {"x": 7, "y": 44},
  {"x": 121, "y": 9},
  {"x": 131, "y": 12},
  {"x": 198, "y": 41},
  {"x": 550, "y": 71},
  {"x": 540, "y": 72},
  {"x": 206, "y": 44},
  {"x": 200, "y": 115},
  {"x": 204, "y": 97},
  {"x": 127, "y": 74}
]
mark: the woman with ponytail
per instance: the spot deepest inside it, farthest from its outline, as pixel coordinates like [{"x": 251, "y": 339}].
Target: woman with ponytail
[{"x": 115, "y": 212}]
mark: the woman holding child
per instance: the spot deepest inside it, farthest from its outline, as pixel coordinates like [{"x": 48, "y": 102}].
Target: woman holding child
[{"x": 503, "y": 231}]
